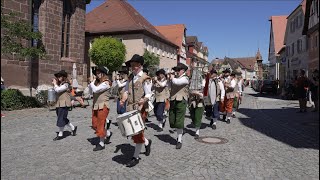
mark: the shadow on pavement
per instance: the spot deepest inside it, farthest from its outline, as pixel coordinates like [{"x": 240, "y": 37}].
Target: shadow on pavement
[
  {"x": 299, "y": 130},
  {"x": 153, "y": 126},
  {"x": 166, "y": 138},
  {"x": 94, "y": 140},
  {"x": 65, "y": 134},
  {"x": 203, "y": 125},
  {"x": 127, "y": 151}
]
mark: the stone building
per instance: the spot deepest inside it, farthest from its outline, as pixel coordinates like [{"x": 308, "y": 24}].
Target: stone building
[{"x": 62, "y": 24}]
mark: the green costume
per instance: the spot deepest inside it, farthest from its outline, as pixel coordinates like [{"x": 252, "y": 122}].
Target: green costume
[{"x": 177, "y": 114}]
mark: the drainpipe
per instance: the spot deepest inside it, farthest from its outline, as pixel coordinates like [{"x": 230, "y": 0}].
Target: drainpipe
[{"x": 30, "y": 45}]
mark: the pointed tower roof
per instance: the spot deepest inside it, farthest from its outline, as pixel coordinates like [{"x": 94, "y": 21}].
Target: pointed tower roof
[
  {"x": 118, "y": 16},
  {"x": 258, "y": 55}
]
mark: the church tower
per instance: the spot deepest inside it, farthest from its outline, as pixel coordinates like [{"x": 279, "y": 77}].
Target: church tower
[{"x": 259, "y": 63}]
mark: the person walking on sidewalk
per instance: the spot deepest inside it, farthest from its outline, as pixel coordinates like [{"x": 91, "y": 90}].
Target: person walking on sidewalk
[
  {"x": 178, "y": 100},
  {"x": 302, "y": 86},
  {"x": 100, "y": 109},
  {"x": 63, "y": 103},
  {"x": 137, "y": 99}
]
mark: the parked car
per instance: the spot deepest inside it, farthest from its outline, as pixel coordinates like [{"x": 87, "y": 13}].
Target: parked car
[{"x": 268, "y": 86}]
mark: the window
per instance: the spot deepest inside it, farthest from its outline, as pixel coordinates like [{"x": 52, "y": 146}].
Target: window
[
  {"x": 35, "y": 18},
  {"x": 292, "y": 49},
  {"x": 287, "y": 50},
  {"x": 159, "y": 49},
  {"x": 65, "y": 38},
  {"x": 299, "y": 45},
  {"x": 168, "y": 53},
  {"x": 300, "y": 20},
  {"x": 292, "y": 26},
  {"x": 315, "y": 41}
]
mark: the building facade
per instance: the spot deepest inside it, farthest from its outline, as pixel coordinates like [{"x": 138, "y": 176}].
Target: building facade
[
  {"x": 296, "y": 43},
  {"x": 120, "y": 20},
  {"x": 61, "y": 23},
  {"x": 276, "y": 41},
  {"x": 311, "y": 29},
  {"x": 176, "y": 33}
]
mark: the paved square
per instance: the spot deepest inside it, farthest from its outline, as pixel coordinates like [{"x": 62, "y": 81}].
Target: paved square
[{"x": 267, "y": 140}]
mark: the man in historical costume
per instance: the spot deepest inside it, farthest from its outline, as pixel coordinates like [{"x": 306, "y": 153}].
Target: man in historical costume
[
  {"x": 227, "y": 104},
  {"x": 137, "y": 99},
  {"x": 178, "y": 100},
  {"x": 61, "y": 86},
  {"x": 216, "y": 94},
  {"x": 121, "y": 83},
  {"x": 100, "y": 88},
  {"x": 196, "y": 109},
  {"x": 161, "y": 95}
]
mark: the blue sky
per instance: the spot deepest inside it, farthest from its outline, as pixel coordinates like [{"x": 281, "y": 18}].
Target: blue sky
[{"x": 229, "y": 28}]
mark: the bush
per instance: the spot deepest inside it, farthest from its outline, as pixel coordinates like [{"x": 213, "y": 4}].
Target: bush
[
  {"x": 42, "y": 96},
  {"x": 13, "y": 99},
  {"x": 109, "y": 52}
]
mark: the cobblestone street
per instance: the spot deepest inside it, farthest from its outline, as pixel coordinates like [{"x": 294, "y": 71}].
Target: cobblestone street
[{"x": 267, "y": 140}]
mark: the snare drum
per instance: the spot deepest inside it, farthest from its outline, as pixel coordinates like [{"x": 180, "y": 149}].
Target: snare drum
[{"x": 130, "y": 123}]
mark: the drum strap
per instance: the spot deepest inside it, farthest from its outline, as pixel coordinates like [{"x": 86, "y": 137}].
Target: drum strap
[{"x": 133, "y": 92}]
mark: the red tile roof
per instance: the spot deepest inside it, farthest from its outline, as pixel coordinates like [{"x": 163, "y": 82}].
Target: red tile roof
[
  {"x": 119, "y": 16},
  {"x": 279, "y": 24},
  {"x": 246, "y": 62},
  {"x": 173, "y": 33}
]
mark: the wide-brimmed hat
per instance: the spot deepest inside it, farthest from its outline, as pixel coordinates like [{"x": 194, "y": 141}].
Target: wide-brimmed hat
[
  {"x": 123, "y": 72},
  {"x": 135, "y": 58},
  {"x": 180, "y": 66},
  {"x": 161, "y": 71},
  {"x": 213, "y": 71},
  {"x": 102, "y": 69},
  {"x": 226, "y": 71},
  {"x": 61, "y": 73}
]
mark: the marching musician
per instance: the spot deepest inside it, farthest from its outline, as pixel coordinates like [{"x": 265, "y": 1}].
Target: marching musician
[
  {"x": 178, "y": 100},
  {"x": 236, "y": 100},
  {"x": 161, "y": 95},
  {"x": 227, "y": 104},
  {"x": 147, "y": 89},
  {"x": 216, "y": 94},
  {"x": 121, "y": 83},
  {"x": 196, "y": 109},
  {"x": 63, "y": 103},
  {"x": 137, "y": 99},
  {"x": 100, "y": 108}
]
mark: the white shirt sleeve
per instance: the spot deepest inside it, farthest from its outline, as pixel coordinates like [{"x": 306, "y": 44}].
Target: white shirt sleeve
[
  {"x": 240, "y": 86},
  {"x": 121, "y": 84},
  {"x": 102, "y": 87},
  {"x": 233, "y": 84},
  {"x": 61, "y": 88},
  {"x": 180, "y": 81},
  {"x": 163, "y": 84},
  {"x": 223, "y": 92},
  {"x": 147, "y": 89}
]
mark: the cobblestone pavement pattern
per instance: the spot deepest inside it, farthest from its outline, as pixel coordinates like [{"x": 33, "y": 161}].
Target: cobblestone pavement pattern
[{"x": 267, "y": 140}]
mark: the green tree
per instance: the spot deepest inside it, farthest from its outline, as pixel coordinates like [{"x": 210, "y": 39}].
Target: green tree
[
  {"x": 109, "y": 52},
  {"x": 16, "y": 33},
  {"x": 150, "y": 60}
]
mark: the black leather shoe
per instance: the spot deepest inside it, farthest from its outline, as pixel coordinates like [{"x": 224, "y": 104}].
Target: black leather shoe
[
  {"x": 233, "y": 115},
  {"x": 108, "y": 124},
  {"x": 211, "y": 122},
  {"x": 228, "y": 121},
  {"x": 160, "y": 130},
  {"x": 214, "y": 126},
  {"x": 196, "y": 136},
  {"x": 164, "y": 123},
  {"x": 74, "y": 132},
  {"x": 148, "y": 148},
  {"x": 107, "y": 140},
  {"x": 98, "y": 147},
  {"x": 179, "y": 145},
  {"x": 224, "y": 117},
  {"x": 147, "y": 120},
  {"x": 58, "y": 138},
  {"x": 133, "y": 162}
]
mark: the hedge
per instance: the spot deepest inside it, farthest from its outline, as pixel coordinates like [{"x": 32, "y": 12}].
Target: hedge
[{"x": 13, "y": 99}]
